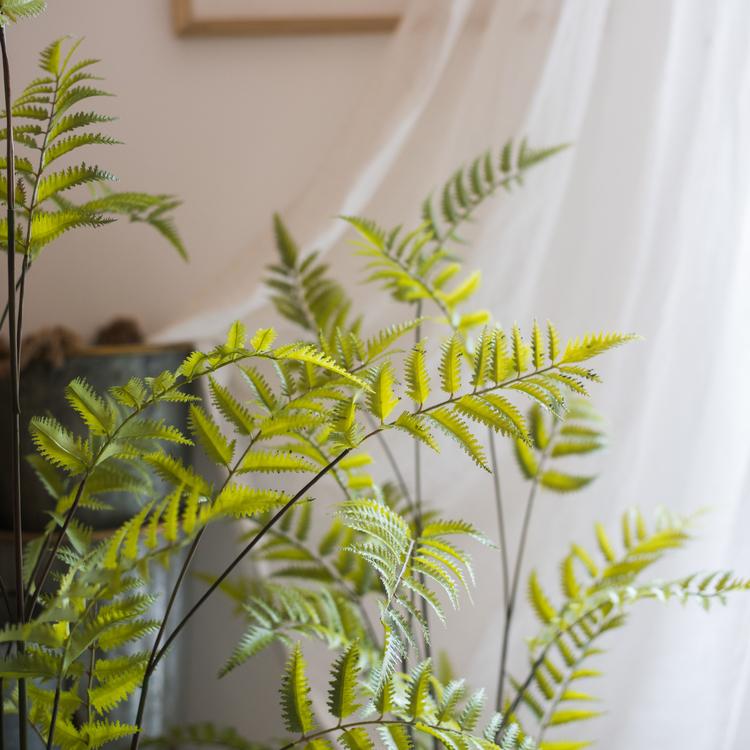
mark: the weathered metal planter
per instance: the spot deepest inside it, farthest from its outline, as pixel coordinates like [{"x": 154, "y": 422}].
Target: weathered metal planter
[{"x": 43, "y": 393}]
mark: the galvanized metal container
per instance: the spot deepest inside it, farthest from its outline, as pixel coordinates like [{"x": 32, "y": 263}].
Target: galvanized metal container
[{"x": 43, "y": 393}]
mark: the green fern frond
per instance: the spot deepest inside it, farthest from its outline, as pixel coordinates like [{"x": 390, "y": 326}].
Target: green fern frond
[
  {"x": 241, "y": 501},
  {"x": 450, "y": 366},
  {"x": 144, "y": 431},
  {"x": 295, "y": 695},
  {"x": 470, "y": 187},
  {"x": 417, "y": 378},
  {"x": 107, "y": 695},
  {"x": 63, "y": 146},
  {"x": 14, "y": 10},
  {"x": 273, "y": 462},
  {"x": 99, "y": 733},
  {"x": 417, "y": 691},
  {"x": 381, "y": 399},
  {"x": 48, "y": 226},
  {"x": 230, "y": 408},
  {"x": 593, "y": 344},
  {"x": 69, "y": 178},
  {"x": 309, "y": 354},
  {"x": 208, "y": 434},
  {"x": 75, "y": 121},
  {"x": 92, "y": 409},
  {"x": 59, "y": 446},
  {"x": 453, "y": 426},
  {"x": 417, "y": 428},
  {"x": 541, "y": 604},
  {"x": 172, "y": 470},
  {"x": 342, "y": 695}
]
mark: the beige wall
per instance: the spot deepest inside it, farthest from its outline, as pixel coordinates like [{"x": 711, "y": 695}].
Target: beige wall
[{"x": 233, "y": 126}]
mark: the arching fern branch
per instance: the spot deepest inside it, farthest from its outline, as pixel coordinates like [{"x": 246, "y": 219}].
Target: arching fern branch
[
  {"x": 304, "y": 293},
  {"x": 279, "y": 613},
  {"x": 597, "y": 604},
  {"x": 51, "y": 128},
  {"x": 507, "y": 363},
  {"x": 410, "y": 562},
  {"x": 415, "y": 265},
  {"x": 469, "y": 188}
]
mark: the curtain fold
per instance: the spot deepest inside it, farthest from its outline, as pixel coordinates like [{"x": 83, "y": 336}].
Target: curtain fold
[{"x": 643, "y": 225}]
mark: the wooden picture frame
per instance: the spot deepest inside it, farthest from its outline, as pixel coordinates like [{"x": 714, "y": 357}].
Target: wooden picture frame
[{"x": 275, "y": 17}]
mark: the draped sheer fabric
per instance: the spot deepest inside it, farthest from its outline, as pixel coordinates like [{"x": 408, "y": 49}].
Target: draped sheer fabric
[{"x": 643, "y": 225}]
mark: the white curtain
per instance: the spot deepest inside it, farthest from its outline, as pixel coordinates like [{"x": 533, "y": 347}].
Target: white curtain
[{"x": 643, "y": 225}]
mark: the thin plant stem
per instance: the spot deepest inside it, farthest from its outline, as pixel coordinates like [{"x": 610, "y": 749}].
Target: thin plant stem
[
  {"x": 504, "y": 563},
  {"x": 34, "y": 596},
  {"x": 92, "y": 664},
  {"x": 61, "y": 674},
  {"x": 245, "y": 551},
  {"x": 418, "y": 502},
  {"x": 6, "y": 309},
  {"x": 426, "y": 645},
  {"x": 32, "y": 208},
  {"x": 409, "y": 724},
  {"x": 512, "y": 597},
  {"x": 349, "y": 591},
  {"x": 325, "y": 458},
  {"x": 21, "y": 296},
  {"x": 396, "y": 469},
  {"x": 15, "y": 384},
  {"x": 55, "y": 709},
  {"x": 401, "y": 574},
  {"x": 536, "y": 666},
  {"x": 6, "y": 600},
  {"x": 157, "y": 641}
]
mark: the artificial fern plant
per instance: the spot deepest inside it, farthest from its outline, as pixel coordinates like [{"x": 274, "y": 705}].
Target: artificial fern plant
[{"x": 369, "y": 582}]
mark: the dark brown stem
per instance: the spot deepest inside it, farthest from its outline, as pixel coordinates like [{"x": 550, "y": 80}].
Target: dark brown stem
[
  {"x": 6, "y": 308},
  {"x": 15, "y": 385},
  {"x": 248, "y": 548},
  {"x": 157, "y": 642},
  {"x": 21, "y": 295},
  {"x": 55, "y": 709},
  {"x": 6, "y": 600},
  {"x": 34, "y": 596}
]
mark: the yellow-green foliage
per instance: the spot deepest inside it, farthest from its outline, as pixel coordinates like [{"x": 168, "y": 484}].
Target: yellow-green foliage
[
  {"x": 314, "y": 408},
  {"x": 598, "y": 588},
  {"x": 51, "y": 125},
  {"x": 404, "y": 705}
]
